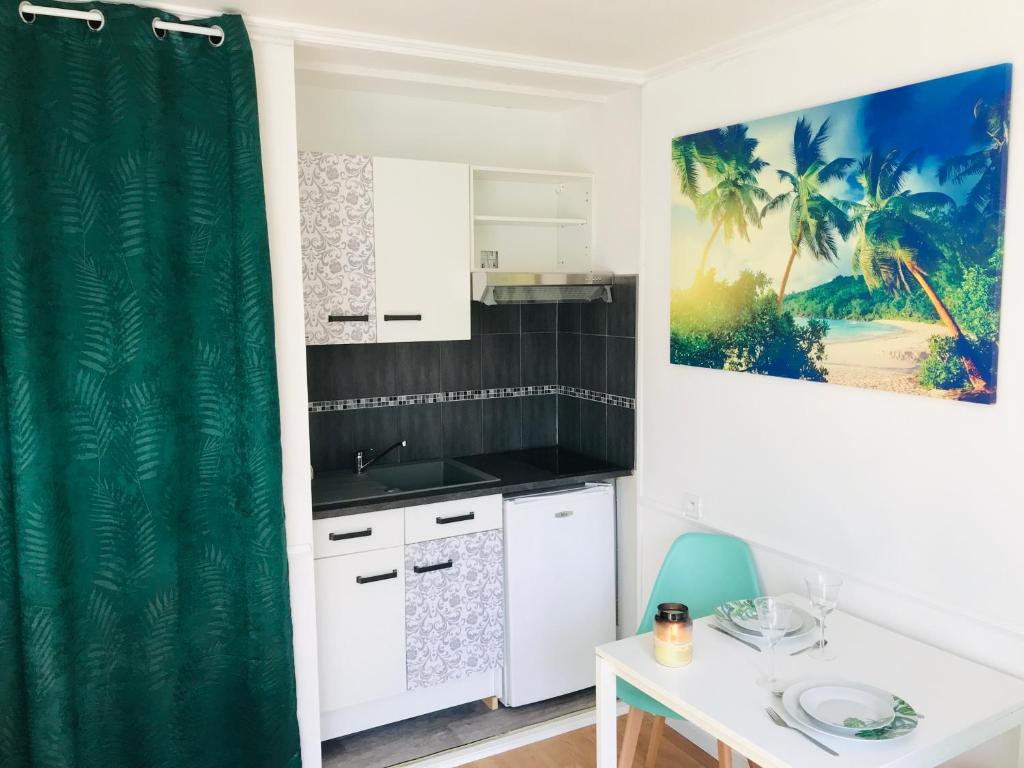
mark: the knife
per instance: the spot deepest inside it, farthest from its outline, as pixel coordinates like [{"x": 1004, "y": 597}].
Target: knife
[{"x": 737, "y": 639}]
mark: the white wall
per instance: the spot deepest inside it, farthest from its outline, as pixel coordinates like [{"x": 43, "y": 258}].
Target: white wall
[
  {"x": 397, "y": 125},
  {"x": 918, "y": 502},
  {"x": 274, "y": 64},
  {"x": 605, "y": 139}
]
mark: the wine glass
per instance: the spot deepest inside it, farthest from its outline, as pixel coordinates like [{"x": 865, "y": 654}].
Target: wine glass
[
  {"x": 823, "y": 592},
  {"x": 775, "y": 617}
]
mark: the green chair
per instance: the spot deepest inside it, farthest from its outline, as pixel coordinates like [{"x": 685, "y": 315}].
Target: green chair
[{"x": 702, "y": 570}]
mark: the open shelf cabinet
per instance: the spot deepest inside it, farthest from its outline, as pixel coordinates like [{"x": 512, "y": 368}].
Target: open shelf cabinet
[{"x": 531, "y": 221}]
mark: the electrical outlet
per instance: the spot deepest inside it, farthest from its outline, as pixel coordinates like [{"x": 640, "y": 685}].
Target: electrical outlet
[{"x": 691, "y": 506}]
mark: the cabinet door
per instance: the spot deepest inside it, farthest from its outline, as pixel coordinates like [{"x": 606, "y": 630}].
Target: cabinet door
[
  {"x": 454, "y": 607},
  {"x": 422, "y": 235},
  {"x": 336, "y": 211},
  {"x": 360, "y": 629}
]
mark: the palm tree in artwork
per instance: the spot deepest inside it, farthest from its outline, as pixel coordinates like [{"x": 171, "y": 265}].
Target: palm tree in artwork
[
  {"x": 815, "y": 219},
  {"x": 732, "y": 201},
  {"x": 898, "y": 233},
  {"x": 690, "y": 154},
  {"x": 988, "y": 164}
]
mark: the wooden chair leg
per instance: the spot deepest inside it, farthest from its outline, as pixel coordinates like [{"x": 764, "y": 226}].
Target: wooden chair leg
[
  {"x": 634, "y": 720},
  {"x": 655, "y": 742},
  {"x": 724, "y": 755}
]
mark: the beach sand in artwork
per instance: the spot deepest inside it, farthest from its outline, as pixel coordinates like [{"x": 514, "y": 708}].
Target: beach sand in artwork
[{"x": 888, "y": 362}]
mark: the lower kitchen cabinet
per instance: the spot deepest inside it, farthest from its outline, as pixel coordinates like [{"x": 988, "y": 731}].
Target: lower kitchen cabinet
[
  {"x": 360, "y": 606},
  {"x": 454, "y": 607}
]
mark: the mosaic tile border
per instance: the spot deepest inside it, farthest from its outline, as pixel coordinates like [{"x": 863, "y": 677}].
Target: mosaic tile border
[{"x": 358, "y": 403}]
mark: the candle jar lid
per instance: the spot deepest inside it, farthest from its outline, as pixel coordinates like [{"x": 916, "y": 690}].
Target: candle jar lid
[{"x": 673, "y": 612}]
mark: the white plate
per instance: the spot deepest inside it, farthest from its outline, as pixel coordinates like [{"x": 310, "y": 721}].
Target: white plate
[
  {"x": 804, "y": 622},
  {"x": 848, "y": 707},
  {"x": 754, "y": 624},
  {"x": 904, "y": 723}
]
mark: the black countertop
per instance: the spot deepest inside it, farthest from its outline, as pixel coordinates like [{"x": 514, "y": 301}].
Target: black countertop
[{"x": 521, "y": 471}]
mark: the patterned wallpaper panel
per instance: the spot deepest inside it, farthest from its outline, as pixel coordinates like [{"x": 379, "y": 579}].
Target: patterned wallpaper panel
[
  {"x": 454, "y": 617},
  {"x": 336, "y": 209}
]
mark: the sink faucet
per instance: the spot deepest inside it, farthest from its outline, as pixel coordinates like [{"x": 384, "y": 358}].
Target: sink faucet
[{"x": 362, "y": 465}]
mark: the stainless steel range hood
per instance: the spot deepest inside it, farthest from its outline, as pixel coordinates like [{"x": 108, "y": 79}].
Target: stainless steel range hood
[{"x": 540, "y": 288}]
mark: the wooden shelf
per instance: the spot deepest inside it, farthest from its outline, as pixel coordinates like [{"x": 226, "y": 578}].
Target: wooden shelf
[{"x": 544, "y": 220}]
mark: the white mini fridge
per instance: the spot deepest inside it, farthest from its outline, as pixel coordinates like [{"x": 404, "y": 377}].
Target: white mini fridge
[{"x": 559, "y": 591}]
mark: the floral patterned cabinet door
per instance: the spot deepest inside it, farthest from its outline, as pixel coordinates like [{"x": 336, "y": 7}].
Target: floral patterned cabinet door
[
  {"x": 454, "y": 614},
  {"x": 338, "y": 271}
]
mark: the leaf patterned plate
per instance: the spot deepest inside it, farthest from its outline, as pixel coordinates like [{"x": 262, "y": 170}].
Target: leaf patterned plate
[
  {"x": 905, "y": 717},
  {"x": 740, "y": 616}
]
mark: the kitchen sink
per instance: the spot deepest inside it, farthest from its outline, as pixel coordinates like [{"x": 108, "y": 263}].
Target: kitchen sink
[
  {"x": 425, "y": 475},
  {"x": 387, "y": 482}
]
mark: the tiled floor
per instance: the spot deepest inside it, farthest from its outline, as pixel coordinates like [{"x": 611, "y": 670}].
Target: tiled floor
[{"x": 421, "y": 736}]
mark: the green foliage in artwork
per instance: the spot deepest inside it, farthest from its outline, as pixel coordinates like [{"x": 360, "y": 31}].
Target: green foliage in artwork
[
  {"x": 736, "y": 326},
  {"x": 943, "y": 368},
  {"x": 847, "y": 298}
]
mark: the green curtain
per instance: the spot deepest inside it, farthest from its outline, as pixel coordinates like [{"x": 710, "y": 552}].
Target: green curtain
[{"x": 144, "y": 612}]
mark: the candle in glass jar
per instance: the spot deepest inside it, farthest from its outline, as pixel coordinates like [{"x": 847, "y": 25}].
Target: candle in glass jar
[{"x": 673, "y": 635}]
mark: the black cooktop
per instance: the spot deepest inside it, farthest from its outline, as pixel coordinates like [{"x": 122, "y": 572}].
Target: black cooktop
[{"x": 532, "y": 465}]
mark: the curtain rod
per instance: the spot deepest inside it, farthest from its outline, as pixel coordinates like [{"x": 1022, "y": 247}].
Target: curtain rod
[{"x": 95, "y": 19}]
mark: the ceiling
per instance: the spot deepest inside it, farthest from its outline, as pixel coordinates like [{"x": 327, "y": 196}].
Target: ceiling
[{"x": 638, "y": 35}]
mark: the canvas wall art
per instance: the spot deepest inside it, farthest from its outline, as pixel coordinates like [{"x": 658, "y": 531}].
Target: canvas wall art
[{"x": 856, "y": 243}]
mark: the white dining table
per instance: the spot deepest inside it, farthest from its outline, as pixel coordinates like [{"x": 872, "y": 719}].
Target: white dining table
[{"x": 963, "y": 704}]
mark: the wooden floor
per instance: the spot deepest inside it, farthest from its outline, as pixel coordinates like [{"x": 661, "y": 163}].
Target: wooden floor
[{"x": 576, "y": 750}]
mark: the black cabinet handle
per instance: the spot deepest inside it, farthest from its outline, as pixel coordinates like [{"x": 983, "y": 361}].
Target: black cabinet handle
[
  {"x": 350, "y": 535},
  {"x": 348, "y": 318},
  {"x": 389, "y": 318},
  {"x": 456, "y": 519},
  {"x": 435, "y": 567},
  {"x": 378, "y": 577}
]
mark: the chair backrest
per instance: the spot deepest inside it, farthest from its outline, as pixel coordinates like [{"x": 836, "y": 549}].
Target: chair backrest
[{"x": 703, "y": 570}]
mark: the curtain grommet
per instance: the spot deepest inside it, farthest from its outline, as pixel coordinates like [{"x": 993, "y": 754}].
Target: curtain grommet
[
  {"x": 27, "y": 16},
  {"x": 217, "y": 40},
  {"x": 97, "y": 24},
  {"x": 158, "y": 33}
]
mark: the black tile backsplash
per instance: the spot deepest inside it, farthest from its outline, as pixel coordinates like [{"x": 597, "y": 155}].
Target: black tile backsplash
[
  {"x": 593, "y": 429},
  {"x": 594, "y": 317},
  {"x": 569, "y": 359},
  {"x": 502, "y": 424},
  {"x": 538, "y": 318},
  {"x": 540, "y": 421},
  {"x": 417, "y": 367},
  {"x": 569, "y": 422},
  {"x": 461, "y": 424},
  {"x": 500, "y": 360},
  {"x": 420, "y": 426},
  {"x": 621, "y": 366},
  {"x": 539, "y": 355},
  {"x": 621, "y": 425},
  {"x": 593, "y": 362},
  {"x": 460, "y": 365},
  {"x": 589, "y": 346}
]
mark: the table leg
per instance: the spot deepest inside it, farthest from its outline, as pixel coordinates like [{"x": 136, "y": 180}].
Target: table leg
[{"x": 606, "y": 711}]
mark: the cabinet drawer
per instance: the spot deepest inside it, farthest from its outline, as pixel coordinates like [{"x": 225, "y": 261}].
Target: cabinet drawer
[
  {"x": 357, "y": 533},
  {"x": 452, "y": 518},
  {"x": 360, "y": 606}
]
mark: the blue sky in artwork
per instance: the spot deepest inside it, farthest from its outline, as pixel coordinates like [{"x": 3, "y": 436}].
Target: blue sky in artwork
[{"x": 933, "y": 118}]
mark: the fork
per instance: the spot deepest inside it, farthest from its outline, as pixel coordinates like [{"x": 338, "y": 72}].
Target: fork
[{"x": 777, "y": 719}]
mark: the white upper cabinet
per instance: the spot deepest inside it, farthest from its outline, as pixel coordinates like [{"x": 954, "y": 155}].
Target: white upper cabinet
[{"x": 422, "y": 238}]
